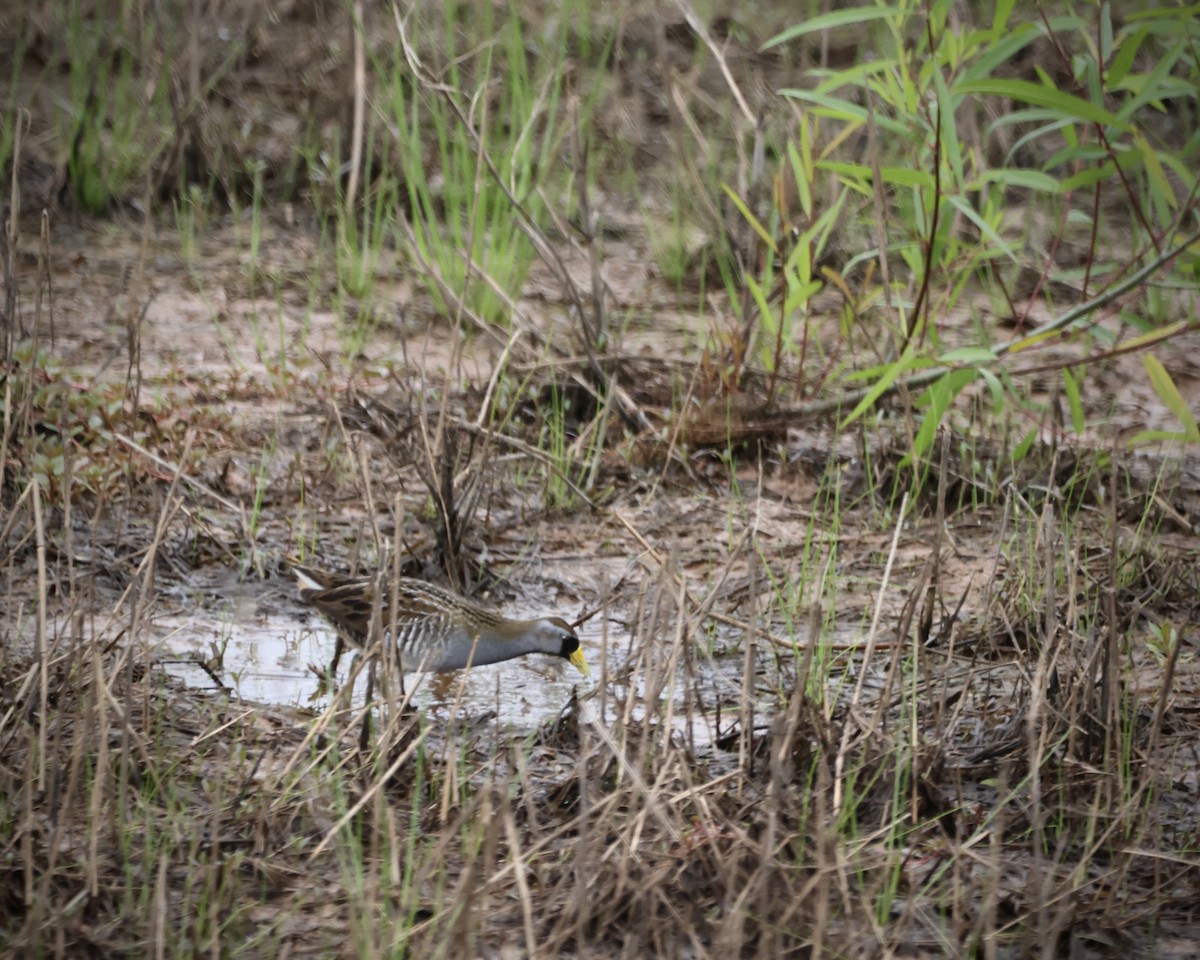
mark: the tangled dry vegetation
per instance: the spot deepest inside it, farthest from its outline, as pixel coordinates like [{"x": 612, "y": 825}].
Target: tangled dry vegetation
[
  {"x": 944, "y": 781},
  {"x": 859, "y": 693}
]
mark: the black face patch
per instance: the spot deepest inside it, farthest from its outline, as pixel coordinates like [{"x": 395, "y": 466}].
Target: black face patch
[{"x": 570, "y": 643}]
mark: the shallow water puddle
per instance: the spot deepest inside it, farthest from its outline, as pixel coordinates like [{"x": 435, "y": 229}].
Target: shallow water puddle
[
  {"x": 269, "y": 660},
  {"x": 270, "y": 655},
  {"x": 266, "y": 662}
]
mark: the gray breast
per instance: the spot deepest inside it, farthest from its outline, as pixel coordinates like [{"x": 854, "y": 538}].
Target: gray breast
[{"x": 435, "y": 643}]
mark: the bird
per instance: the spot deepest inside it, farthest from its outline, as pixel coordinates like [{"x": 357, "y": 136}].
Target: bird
[{"x": 436, "y": 630}]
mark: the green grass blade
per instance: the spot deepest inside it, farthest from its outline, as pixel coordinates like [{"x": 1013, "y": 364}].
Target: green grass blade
[{"x": 1024, "y": 91}]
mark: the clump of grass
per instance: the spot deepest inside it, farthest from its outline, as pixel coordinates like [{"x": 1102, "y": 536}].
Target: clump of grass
[
  {"x": 471, "y": 136},
  {"x": 113, "y": 129}
]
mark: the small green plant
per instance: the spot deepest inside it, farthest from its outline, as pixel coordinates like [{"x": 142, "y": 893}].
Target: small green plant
[
  {"x": 559, "y": 449},
  {"x": 676, "y": 244},
  {"x": 112, "y": 131},
  {"x": 54, "y": 426},
  {"x": 191, "y": 221},
  {"x": 11, "y": 114}
]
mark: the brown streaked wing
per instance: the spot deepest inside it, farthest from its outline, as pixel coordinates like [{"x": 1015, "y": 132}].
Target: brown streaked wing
[{"x": 427, "y": 600}]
